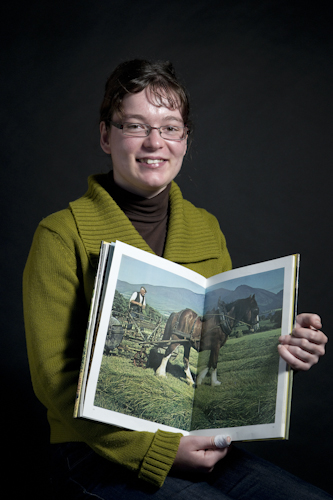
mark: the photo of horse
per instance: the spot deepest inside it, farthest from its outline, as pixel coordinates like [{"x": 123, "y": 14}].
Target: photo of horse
[{"x": 210, "y": 362}]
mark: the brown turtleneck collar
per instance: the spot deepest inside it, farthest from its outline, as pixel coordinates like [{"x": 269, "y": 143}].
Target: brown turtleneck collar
[{"x": 148, "y": 216}]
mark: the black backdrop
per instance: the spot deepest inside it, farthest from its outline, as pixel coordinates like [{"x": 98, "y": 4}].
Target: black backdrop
[{"x": 260, "y": 77}]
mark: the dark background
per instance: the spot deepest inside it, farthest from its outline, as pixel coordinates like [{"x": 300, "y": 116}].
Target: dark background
[{"x": 259, "y": 75}]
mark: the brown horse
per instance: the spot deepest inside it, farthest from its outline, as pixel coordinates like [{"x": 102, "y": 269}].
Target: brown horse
[
  {"x": 184, "y": 328},
  {"x": 187, "y": 328}
]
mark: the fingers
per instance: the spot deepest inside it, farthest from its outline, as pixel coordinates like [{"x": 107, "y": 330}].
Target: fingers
[
  {"x": 306, "y": 345},
  {"x": 307, "y": 320},
  {"x": 207, "y": 442},
  {"x": 312, "y": 342},
  {"x": 297, "y": 358},
  {"x": 198, "y": 453}
]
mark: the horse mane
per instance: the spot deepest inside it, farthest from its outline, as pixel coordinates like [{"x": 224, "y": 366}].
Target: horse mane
[
  {"x": 237, "y": 308},
  {"x": 240, "y": 304},
  {"x": 209, "y": 314}
]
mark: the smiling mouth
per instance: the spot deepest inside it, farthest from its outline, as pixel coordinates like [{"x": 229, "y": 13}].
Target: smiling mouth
[{"x": 151, "y": 161}]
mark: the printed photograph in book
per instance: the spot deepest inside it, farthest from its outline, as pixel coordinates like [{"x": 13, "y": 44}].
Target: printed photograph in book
[
  {"x": 191, "y": 358},
  {"x": 131, "y": 380},
  {"x": 244, "y": 316}
]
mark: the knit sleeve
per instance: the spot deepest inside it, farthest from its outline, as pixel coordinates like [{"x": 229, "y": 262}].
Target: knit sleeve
[
  {"x": 224, "y": 256},
  {"x": 55, "y": 313}
]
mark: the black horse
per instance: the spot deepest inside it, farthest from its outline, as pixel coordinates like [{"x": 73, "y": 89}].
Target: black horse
[
  {"x": 211, "y": 333},
  {"x": 217, "y": 326}
]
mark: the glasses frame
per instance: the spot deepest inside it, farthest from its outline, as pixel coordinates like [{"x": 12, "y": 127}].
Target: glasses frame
[{"x": 149, "y": 129}]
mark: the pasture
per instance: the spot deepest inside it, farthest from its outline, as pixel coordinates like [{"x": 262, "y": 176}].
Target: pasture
[{"x": 247, "y": 369}]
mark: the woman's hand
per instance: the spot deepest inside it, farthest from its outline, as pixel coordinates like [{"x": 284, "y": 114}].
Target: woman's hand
[
  {"x": 305, "y": 345},
  {"x": 198, "y": 454}
]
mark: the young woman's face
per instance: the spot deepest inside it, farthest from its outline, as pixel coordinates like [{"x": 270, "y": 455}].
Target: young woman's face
[{"x": 144, "y": 165}]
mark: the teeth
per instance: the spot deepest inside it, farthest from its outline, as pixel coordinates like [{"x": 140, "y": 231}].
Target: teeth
[{"x": 149, "y": 161}]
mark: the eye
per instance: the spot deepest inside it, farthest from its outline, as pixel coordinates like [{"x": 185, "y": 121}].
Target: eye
[
  {"x": 134, "y": 126},
  {"x": 171, "y": 129}
]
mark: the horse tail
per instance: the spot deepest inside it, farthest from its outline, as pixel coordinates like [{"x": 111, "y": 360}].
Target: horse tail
[{"x": 168, "y": 327}]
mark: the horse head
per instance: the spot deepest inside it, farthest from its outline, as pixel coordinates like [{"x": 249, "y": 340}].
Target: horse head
[
  {"x": 245, "y": 311},
  {"x": 252, "y": 313}
]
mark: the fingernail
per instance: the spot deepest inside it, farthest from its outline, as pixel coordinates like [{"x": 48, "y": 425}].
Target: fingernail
[{"x": 221, "y": 441}]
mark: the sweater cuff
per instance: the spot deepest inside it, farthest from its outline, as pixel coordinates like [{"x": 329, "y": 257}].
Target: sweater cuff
[{"x": 160, "y": 457}]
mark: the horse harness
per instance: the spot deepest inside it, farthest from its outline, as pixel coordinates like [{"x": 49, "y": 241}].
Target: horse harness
[
  {"x": 186, "y": 336},
  {"x": 224, "y": 324},
  {"x": 225, "y": 318}
]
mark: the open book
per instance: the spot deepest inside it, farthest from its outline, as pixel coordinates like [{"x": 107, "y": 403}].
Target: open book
[{"x": 169, "y": 349}]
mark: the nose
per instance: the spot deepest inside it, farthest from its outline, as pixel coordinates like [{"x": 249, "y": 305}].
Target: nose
[{"x": 154, "y": 140}]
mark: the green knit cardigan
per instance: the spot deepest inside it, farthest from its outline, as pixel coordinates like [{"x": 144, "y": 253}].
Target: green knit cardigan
[{"x": 57, "y": 287}]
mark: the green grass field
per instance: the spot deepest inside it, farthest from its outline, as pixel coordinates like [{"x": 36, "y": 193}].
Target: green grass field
[{"x": 247, "y": 370}]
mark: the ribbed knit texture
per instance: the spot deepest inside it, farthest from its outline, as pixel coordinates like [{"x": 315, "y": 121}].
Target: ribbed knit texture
[
  {"x": 160, "y": 457},
  {"x": 57, "y": 288},
  {"x": 149, "y": 216},
  {"x": 192, "y": 232}
]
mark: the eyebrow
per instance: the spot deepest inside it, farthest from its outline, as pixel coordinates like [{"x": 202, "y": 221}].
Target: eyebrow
[{"x": 140, "y": 117}]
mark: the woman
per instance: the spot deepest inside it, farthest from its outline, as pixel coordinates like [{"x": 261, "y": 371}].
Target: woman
[{"x": 144, "y": 127}]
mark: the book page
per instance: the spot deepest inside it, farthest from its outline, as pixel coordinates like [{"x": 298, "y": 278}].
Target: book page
[
  {"x": 149, "y": 367},
  {"x": 247, "y": 311},
  {"x": 125, "y": 392}
]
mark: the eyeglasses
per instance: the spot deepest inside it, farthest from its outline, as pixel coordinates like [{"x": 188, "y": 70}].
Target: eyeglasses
[{"x": 168, "y": 132}]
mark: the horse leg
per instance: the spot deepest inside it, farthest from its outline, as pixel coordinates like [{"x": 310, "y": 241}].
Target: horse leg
[
  {"x": 202, "y": 375},
  {"x": 161, "y": 370},
  {"x": 213, "y": 358},
  {"x": 187, "y": 370},
  {"x": 204, "y": 372},
  {"x": 214, "y": 380}
]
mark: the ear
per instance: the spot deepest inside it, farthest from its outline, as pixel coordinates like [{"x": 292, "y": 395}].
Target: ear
[{"x": 104, "y": 138}]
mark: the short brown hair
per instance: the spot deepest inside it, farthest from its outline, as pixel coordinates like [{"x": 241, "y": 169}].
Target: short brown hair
[{"x": 131, "y": 77}]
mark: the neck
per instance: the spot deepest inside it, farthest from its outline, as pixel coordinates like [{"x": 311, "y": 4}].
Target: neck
[{"x": 149, "y": 216}]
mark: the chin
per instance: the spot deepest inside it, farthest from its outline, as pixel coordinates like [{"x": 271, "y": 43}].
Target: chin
[
  {"x": 158, "y": 180},
  {"x": 155, "y": 182}
]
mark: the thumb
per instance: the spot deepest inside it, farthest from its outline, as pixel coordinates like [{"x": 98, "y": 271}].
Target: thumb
[{"x": 222, "y": 441}]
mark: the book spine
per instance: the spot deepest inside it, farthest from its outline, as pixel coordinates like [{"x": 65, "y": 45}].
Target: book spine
[{"x": 90, "y": 328}]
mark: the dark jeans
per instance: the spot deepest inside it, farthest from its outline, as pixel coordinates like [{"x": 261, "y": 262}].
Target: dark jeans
[{"x": 79, "y": 473}]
